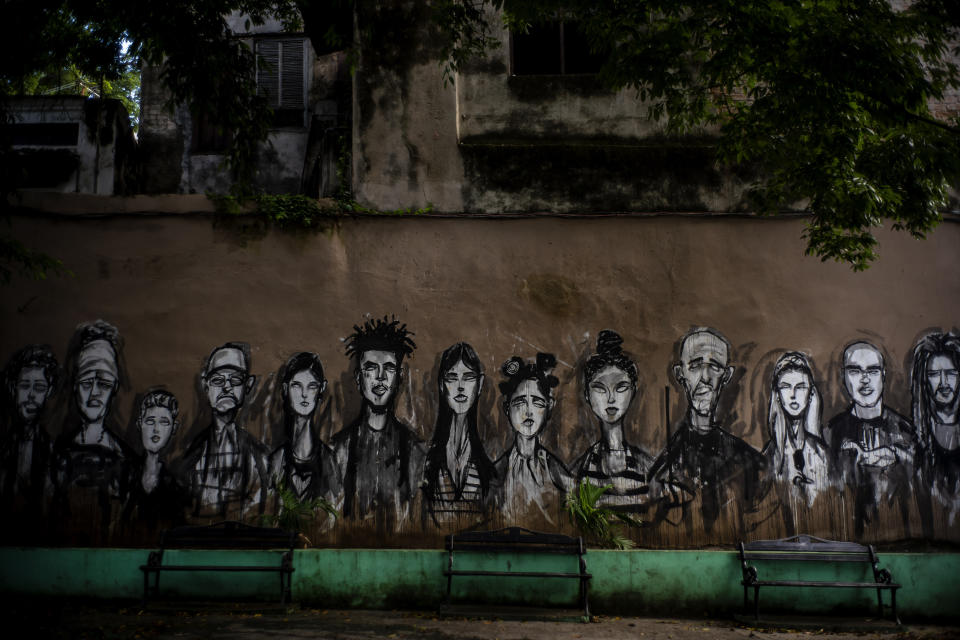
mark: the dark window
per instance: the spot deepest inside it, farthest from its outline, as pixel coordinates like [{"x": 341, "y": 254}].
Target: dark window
[
  {"x": 45, "y": 134},
  {"x": 208, "y": 136},
  {"x": 280, "y": 79},
  {"x": 553, "y": 48}
]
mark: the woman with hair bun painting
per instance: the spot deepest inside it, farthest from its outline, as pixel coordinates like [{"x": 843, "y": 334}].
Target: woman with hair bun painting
[
  {"x": 609, "y": 386},
  {"x": 531, "y": 474}
]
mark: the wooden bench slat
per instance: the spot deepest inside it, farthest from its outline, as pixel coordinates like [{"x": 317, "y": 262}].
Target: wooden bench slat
[
  {"x": 819, "y": 583},
  {"x": 520, "y": 574}
]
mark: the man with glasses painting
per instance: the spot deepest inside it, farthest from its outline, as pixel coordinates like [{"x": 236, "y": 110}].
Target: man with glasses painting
[
  {"x": 873, "y": 445},
  {"x": 226, "y": 465}
]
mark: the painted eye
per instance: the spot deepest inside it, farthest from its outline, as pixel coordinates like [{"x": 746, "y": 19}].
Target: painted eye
[
  {"x": 539, "y": 403},
  {"x": 623, "y": 387},
  {"x": 313, "y": 386}
]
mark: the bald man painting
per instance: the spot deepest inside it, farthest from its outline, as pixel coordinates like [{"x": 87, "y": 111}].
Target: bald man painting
[
  {"x": 702, "y": 458},
  {"x": 873, "y": 445}
]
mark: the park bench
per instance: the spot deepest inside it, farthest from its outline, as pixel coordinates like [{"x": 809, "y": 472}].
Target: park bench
[
  {"x": 223, "y": 535},
  {"x": 469, "y": 548},
  {"x": 805, "y": 548}
]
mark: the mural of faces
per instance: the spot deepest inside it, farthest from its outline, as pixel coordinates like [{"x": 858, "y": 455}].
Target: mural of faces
[
  {"x": 863, "y": 374},
  {"x": 226, "y": 382},
  {"x": 94, "y": 391},
  {"x": 32, "y": 390},
  {"x": 302, "y": 392},
  {"x": 528, "y": 409},
  {"x": 461, "y": 386},
  {"x": 793, "y": 390},
  {"x": 378, "y": 376},
  {"x": 610, "y": 393},
  {"x": 703, "y": 370},
  {"x": 942, "y": 380},
  {"x": 156, "y": 425}
]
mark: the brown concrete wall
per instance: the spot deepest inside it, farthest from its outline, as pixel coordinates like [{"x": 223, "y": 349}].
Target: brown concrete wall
[{"x": 177, "y": 286}]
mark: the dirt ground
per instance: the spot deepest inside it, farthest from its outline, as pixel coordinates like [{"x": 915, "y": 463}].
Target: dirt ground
[{"x": 43, "y": 619}]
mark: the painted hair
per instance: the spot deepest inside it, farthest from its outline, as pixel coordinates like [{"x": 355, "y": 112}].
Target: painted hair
[
  {"x": 160, "y": 398},
  {"x": 380, "y": 335},
  {"x": 609, "y": 354},
  {"x": 437, "y": 454},
  {"x": 34, "y": 355},
  {"x": 303, "y": 361},
  {"x": 934, "y": 344},
  {"x": 518, "y": 371},
  {"x": 778, "y": 420},
  {"x": 700, "y": 330}
]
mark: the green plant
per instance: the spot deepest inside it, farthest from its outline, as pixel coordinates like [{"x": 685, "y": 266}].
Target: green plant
[
  {"x": 295, "y": 514},
  {"x": 600, "y": 525}
]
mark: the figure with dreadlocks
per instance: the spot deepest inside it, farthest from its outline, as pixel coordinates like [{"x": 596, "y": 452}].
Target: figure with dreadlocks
[{"x": 380, "y": 457}]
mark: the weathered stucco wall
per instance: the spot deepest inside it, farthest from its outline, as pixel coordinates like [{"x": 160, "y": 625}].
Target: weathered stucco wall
[
  {"x": 484, "y": 140},
  {"x": 177, "y": 286}
]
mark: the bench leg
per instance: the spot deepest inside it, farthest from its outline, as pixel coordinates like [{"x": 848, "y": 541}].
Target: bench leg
[
  {"x": 893, "y": 602},
  {"x": 283, "y": 588},
  {"x": 880, "y": 602},
  {"x": 584, "y": 586},
  {"x": 756, "y": 603},
  {"x": 746, "y": 599},
  {"x": 146, "y": 588}
]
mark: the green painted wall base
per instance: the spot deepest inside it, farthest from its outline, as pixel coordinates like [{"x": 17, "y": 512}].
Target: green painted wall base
[{"x": 659, "y": 583}]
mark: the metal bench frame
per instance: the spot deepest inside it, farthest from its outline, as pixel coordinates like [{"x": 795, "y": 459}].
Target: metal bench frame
[
  {"x": 519, "y": 540},
  {"x": 806, "y": 548},
  {"x": 222, "y": 535}
]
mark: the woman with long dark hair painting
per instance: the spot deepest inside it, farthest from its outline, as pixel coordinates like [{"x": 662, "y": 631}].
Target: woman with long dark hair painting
[
  {"x": 458, "y": 475},
  {"x": 303, "y": 463},
  {"x": 610, "y": 385},
  {"x": 531, "y": 474}
]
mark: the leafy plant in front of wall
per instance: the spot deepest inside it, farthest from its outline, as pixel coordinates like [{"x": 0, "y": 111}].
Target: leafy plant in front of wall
[
  {"x": 599, "y": 525},
  {"x": 295, "y": 514}
]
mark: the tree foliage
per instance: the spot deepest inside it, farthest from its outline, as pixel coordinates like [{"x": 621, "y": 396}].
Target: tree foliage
[{"x": 827, "y": 102}]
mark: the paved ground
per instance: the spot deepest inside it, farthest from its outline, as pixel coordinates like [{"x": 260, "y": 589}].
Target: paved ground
[{"x": 43, "y": 619}]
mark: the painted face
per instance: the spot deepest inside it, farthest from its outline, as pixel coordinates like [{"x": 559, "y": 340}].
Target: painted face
[
  {"x": 461, "y": 386},
  {"x": 226, "y": 388},
  {"x": 378, "y": 376},
  {"x": 528, "y": 409},
  {"x": 863, "y": 375},
  {"x": 32, "y": 392},
  {"x": 302, "y": 392},
  {"x": 942, "y": 379},
  {"x": 794, "y": 391},
  {"x": 703, "y": 371},
  {"x": 156, "y": 427},
  {"x": 93, "y": 393},
  {"x": 610, "y": 392}
]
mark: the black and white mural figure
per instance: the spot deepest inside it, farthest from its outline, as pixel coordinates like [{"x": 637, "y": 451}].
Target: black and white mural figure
[
  {"x": 157, "y": 499},
  {"x": 459, "y": 477},
  {"x": 936, "y": 413},
  {"x": 302, "y": 462},
  {"x": 31, "y": 377},
  {"x": 796, "y": 453},
  {"x": 92, "y": 465},
  {"x": 872, "y": 443},
  {"x": 226, "y": 465},
  {"x": 702, "y": 458},
  {"x": 531, "y": 475},
  {"x": 610, "y": 385},
  {"x": 380, "y": 458}
]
